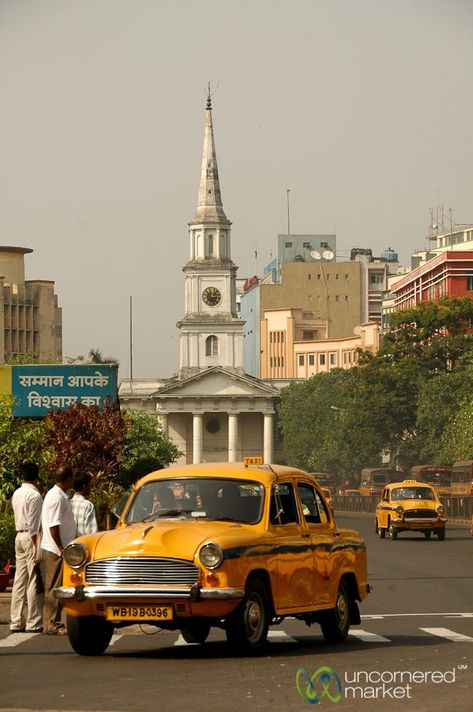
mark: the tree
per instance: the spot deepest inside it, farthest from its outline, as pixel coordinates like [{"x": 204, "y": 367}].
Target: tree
[
  {"x": 87, "y": 438},
  {"x": 146, "y": 447},
  {"x": 21, "y": 440},
  {"x": 94, "y": 357}
]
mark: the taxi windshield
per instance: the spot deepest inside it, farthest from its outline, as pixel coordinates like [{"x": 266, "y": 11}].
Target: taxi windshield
[
  {"x": 412, "y": 493},
  {"x": 198, "y": 498}
]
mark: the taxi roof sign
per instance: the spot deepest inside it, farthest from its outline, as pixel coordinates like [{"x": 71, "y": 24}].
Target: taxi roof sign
[{"x": 256, "y": 460}]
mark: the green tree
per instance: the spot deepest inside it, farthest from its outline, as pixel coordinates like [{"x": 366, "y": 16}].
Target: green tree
[
  {"x": 146, "y": 447},
  {"x": 21, "y": 440},
  {"x": 95, "y": 356}
]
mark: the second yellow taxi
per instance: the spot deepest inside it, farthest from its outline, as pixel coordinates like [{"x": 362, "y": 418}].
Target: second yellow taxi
[{"x": 410, "y": 506}]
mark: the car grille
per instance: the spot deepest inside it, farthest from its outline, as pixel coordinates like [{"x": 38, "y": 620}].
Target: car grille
[
  {"x": 420, "y": 514},
  {"x": 148, "y": 571}
]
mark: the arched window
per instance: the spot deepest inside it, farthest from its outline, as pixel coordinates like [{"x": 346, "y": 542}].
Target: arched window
[{"x": 211, "y": 346}]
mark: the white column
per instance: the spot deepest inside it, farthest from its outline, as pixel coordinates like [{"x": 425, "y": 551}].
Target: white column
[
  {"x": 197, "y": 438},
  {"x": 163, "y": 419},
  {"x": 268, "y": 438},
  {"x": 232, "y": 437}
]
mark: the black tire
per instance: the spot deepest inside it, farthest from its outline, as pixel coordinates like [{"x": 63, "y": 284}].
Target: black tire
[
  {"x": 89, "y": 635},
  {"x": 196, "y": 632},
  {"x": 335, "y": 623},
  {"x": 381, "y": 531},
  {"x": 247, "y": 627},
  {"x": 392, "y": 532},
  {"x": 441, "y": 534},
  {"x": 427, "y": 534}
]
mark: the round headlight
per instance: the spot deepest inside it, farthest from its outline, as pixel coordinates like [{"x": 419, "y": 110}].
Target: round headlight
[
  {"x": 75, "y": 555},
  {"x": 440, "y": 509},
  {"x": 211, "y": 555},
  {"x": 399, "y": 510}
]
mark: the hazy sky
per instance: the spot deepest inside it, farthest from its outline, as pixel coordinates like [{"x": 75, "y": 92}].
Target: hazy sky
[{"x": 363, "y": 108}]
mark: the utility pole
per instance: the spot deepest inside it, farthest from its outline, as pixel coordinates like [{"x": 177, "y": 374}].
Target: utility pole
[
  {"x": 288, "y": 214},
  {"x": 131, "y": 341}
]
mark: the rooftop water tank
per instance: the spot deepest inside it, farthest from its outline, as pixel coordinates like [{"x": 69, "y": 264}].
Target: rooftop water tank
[{"x": 389, "y": 255}]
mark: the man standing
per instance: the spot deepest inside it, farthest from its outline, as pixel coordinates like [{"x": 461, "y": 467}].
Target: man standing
[
  {"x": 82, "y": 508},
  {"x": 59, "y": 529},
  {"x": 27, "y": 503}
]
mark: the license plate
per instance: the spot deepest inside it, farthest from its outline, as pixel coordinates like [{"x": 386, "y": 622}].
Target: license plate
[{"x": 140, "y": 613}]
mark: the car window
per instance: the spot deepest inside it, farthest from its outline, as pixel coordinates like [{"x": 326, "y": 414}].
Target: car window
[
  {"x": 283, "y": 505},
  {"x": 313, "y": 507}
]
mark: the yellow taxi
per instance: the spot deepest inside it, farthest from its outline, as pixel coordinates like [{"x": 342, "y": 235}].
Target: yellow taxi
[
  {"x": 222, "y": 544},
  {"x": 410, "y": 506}
]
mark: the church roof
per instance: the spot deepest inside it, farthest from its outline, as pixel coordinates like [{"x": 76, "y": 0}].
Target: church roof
[{"x": 201, "y": 379}]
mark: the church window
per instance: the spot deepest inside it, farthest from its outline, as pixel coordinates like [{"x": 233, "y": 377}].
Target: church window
[
  {"x": 211, "y": 346},
  {"x": 211, "y": 245}
]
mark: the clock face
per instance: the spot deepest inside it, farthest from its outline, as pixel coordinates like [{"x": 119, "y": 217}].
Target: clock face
[{"x": 211, "y": 296}]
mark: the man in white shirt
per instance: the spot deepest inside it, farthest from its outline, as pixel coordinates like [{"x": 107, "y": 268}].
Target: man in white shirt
[
  {"x": 27, "y": 503},
  {"x": 82, "y": 509},
  {"x": 59, "y": 529}
]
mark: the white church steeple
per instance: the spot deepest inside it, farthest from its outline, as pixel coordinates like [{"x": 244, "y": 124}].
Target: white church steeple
[{"x": 211, "y": 333}]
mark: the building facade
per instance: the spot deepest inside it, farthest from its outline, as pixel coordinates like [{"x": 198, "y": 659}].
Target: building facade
[{"x": 30, "y": 320}]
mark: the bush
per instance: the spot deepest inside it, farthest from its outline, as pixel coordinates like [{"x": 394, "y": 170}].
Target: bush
[{"x": 7, "y": 537}]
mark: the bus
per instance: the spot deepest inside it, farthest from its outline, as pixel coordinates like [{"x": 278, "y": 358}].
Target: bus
[
  {"x": 462, "y": 478},
  {"x": 439, "y": 476},
  {"x": 326, "y": 479},
  {"x": 374, "y": 479}
]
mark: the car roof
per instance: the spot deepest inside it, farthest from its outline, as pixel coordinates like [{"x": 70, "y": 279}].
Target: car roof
[
  {"x": 267, "y": 474},
  {"x": 408, "y": 483}
]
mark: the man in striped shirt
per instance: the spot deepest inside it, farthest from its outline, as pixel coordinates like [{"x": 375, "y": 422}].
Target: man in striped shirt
[{"x": 82, "y": 508}]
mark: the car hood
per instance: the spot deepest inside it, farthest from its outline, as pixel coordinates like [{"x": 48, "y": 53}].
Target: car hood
[
  {"x": 177, "y": 538},
  {"x": 419, "y": 504}
]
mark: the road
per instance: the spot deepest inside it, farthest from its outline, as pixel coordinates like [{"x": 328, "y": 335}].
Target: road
[{"x": 413, "y": 649}]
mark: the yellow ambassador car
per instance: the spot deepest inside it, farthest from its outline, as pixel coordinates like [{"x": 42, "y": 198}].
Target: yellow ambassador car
[
  {"x": 219, "y": 545},
  {"x": 410, "y": 506}
]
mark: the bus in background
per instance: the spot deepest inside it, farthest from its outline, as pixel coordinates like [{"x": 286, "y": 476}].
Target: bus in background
[
  {"x": 439, "y": 476},
  {"x": 375, "y": 479},
  {"x": 462, "y": 478},
  {"x": 328, "y": 480}
]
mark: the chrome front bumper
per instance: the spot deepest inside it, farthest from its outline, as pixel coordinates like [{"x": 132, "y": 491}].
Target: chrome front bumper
[{"x": 193, "y": 593}]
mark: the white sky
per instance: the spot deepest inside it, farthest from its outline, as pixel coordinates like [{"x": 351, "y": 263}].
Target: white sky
[{"x": 363, "y": 108}]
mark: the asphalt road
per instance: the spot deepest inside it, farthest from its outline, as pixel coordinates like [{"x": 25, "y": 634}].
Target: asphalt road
[{"x": 413, "y": 650}]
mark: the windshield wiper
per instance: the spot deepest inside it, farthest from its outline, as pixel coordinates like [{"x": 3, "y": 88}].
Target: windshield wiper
[{"x": 166, "y": 513}]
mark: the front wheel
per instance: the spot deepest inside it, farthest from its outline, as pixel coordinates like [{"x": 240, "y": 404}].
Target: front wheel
[
  {"x": 427, "y": 534},
  {"x": 335, "y": 623},
  {"x": 441, "y": 534},
  {"x": 392, "y": 532},
  {"x": 381, "y": 531},
  {"x": 89, "y": 635},
  {"x": 196, "y": 632},
  {"x": 247, "y": 627}
]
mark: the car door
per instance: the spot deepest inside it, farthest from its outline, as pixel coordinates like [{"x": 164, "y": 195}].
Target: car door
[
  {"x": 294, "y": 585},
  {"x": 322, "y": 537}
]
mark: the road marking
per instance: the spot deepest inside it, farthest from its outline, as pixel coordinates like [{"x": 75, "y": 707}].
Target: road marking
[
  {"x": 181, "y": 641},
  {"x": 279, "y": 636},
  {"x": 449, "y": 634},
  {"x": 379, "y": 616},
  {"x": 15, "y": 639},
  {"x": 115, "y": 638},
  {"x": 367, "y": 637}
]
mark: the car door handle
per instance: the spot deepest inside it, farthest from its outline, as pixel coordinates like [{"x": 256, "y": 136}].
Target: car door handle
[{"x": 305, "y": 533}]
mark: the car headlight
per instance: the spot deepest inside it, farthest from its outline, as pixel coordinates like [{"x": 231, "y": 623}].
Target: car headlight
[
  {"x": 400, "y": 510},
  {"x": 211, "y": 555},
  {"x": 75, "y": 555},
  {"x": 440, "y": 509}
]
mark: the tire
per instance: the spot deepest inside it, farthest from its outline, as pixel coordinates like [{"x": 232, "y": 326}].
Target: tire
[
  {"x": 247, "y": 627},
  {"x": 381, "y": 531},
  {"x": 89, "y": 635},
  {"x": 392, "y": 532},
  {"x": 196, "y": 632},
  {"x": 441, "y": 534},
  {"x": 427, "y": 534},
  {"x": 336, "y": 622}
]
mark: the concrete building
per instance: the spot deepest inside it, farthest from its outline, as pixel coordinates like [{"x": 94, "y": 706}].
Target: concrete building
[
  {"x": 30, "y": 320},
  {"x": 212, "y": 410}
]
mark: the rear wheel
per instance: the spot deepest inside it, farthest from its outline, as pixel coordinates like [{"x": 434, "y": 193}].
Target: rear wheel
[
  {"x": 392, "y": 532},
  {"x": 89, "y": 635},
  {"x": 335, "y": 623},
  {"x": 247, "y": 627},
  {"x": 196, "y": 632}
]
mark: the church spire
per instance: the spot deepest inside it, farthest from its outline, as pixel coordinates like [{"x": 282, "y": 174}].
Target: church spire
[{"x": 209, "y": 203}]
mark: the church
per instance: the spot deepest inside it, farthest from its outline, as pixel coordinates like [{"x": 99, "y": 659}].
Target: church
[{"x": 211, "y": 410}]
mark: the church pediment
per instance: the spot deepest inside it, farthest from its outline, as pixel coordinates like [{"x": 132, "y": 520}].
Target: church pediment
[{"x": 219, "y": 382}]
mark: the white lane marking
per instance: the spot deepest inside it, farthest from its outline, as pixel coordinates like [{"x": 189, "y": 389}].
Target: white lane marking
[
  {"x": 115, "y": 638},
  {"x": 181, "y": 641},
  {"x": 449, "y": 634},
  {"x": 379, "y": 616},
  {"x": 15, "y": 639},
  {"x": 279, "y": 636},
  {"x": 367, "y": 637}
]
